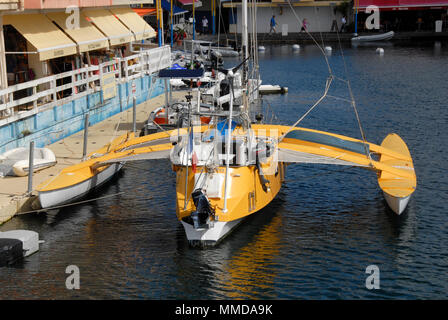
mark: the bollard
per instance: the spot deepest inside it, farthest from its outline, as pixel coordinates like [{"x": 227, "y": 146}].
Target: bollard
[
  {"x": 86, "y": 135},
  {"x": 134, "y": 115},
  {"x": 31, "y": 168}
]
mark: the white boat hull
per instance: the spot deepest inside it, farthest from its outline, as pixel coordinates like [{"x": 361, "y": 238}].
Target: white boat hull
[
  {"x": 398, "y": 205},
  {"x": 62, "y": 196},
  {"x": 211, "y": 236},
  {"x": 376, "y": 37},
  {"x": 270, "y": 89}
]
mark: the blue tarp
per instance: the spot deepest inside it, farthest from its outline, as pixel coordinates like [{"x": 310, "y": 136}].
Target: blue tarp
[
  {"x": 166, "y": 5},
  {"x": 181, "y": 73},
  {"x": 222, "y": 129}
]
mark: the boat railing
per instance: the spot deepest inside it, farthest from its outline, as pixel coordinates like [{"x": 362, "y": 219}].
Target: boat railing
[{"x": 26, "y": 99}]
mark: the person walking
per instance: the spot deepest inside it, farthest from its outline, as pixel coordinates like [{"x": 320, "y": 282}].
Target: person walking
[
  {"x": 204, "y": 25},
  {"x": 272, "y": 24},
  {"x": 334, "y": 26},
  {"x": 343, "y": 21},
  {"x": 304, "y": 25}
]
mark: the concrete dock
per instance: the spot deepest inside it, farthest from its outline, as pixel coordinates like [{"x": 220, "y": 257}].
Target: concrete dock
[{"x": 68, "y": 151}]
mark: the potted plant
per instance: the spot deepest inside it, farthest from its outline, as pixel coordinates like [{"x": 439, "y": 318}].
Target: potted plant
[{"x": 179, "y": 35}]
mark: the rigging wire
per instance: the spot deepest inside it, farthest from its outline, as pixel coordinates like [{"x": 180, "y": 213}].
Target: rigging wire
[{"x": 329, "y": 81}]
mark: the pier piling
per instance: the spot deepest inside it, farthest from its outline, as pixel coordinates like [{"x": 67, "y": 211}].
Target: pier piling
[{"x": 31, "y": 168}]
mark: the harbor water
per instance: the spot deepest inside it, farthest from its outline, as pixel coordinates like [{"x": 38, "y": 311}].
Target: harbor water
[{"x": 314, "y": 241}]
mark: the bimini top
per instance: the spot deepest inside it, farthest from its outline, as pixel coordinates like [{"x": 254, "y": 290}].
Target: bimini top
[{"x": 181, "y": 73}]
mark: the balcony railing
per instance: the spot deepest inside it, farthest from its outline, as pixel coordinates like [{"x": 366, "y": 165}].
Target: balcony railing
[{"x": 28, "y": 98}]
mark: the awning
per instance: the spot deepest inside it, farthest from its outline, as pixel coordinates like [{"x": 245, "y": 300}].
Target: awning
[
  {"x": 86, "y": 36},
  {"x": 403, "y": 4},
  {"x": 145, "y": 11},
  {"x": 48, "y": 41},
  {"x": 135, "y": 23},
  {"x": 166, "y": 5},
  {"x": 197, "y": 3},
  {"x": 110, "y": 26}
]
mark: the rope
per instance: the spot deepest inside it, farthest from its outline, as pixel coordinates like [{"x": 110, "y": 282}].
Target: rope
[
  {"x": 327, "y": 87},
  {"x": 71, "y": 204}
]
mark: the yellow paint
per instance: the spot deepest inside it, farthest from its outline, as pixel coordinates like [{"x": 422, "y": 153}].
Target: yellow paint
[
  {"x": 243, "y": 181},
  {"x": 397, "y": 186}
]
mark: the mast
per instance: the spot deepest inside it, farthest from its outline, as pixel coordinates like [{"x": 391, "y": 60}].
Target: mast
[
  {"x": 245, "y": 42},
  {"x": 228, "y": 142},
  {"x": 356, "y": 17},
  {"x": 171, "y": 22},
  {"x": 194, "y": 24}
]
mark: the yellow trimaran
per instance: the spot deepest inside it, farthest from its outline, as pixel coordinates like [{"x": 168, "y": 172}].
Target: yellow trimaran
[
  {"x": 233, "y": 168},
  {"x": 219, "y": 183}
]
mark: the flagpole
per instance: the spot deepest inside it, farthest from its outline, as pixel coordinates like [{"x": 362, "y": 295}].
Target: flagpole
[
  {"x": 171, "y": 18},
  {"x": 213, "y": 14},
  {"x": 158, "y": 23},
  {"x": 194, "y": 23}
]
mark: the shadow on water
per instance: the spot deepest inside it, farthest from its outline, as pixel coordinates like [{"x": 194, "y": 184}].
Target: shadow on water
[{"x": 228, "y": 269}]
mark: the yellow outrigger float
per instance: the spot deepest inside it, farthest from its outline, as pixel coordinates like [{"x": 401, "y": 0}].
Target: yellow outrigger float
[{"x": 221, "y": 179}]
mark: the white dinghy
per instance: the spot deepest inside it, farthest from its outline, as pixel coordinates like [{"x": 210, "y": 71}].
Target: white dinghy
[{"x": 18, "y": 159}]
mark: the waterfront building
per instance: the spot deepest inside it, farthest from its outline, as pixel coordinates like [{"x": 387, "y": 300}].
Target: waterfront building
[
  {"x": 407, "y": 15},
  {"x": 62, "y": 59},
  {"x": 319, "y": 15}
]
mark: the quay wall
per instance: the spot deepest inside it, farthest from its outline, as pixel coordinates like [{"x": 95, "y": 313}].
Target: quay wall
[{"x": 49, "y": 126}]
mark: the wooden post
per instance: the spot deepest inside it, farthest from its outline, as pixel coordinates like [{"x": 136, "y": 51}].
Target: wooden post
[
  {"x": 86, "y": 135},
  {"x": 31, "y": 168}
]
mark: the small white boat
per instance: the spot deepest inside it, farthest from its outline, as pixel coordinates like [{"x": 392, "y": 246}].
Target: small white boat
[
  {"x": 375, "y": 37},
  {"x": 18, "y": 159},
  {"x": 53, "y": 198}
]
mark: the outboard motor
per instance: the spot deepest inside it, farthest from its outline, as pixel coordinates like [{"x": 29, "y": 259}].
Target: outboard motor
[
  {"x": 262, "y": 152},
  {"x": 203, "y": 209}
]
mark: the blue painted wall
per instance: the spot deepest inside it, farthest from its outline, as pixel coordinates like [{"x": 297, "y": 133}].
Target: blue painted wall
[{"x": 62, "y": 121}]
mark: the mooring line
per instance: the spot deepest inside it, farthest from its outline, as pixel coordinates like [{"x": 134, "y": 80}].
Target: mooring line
[{"x": 70, "y": 204}]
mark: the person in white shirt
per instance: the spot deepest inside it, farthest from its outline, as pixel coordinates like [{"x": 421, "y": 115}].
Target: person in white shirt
[
  {"x": 344, "y": 21},
  {"x": 204, "y": 25}
]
